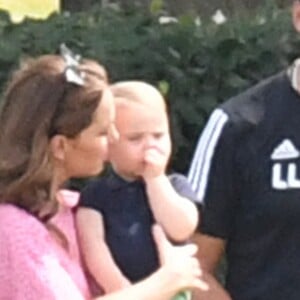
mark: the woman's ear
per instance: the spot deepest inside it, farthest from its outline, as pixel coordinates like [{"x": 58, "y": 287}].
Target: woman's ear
[
  {"x": 58, "y": 144},
  {"x": 296, "y": 15}
]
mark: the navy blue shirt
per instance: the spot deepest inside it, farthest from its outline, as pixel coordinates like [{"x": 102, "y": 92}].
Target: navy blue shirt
[
  {"x": 128, "y": 220},
  {"x": 246, "y": 171}
]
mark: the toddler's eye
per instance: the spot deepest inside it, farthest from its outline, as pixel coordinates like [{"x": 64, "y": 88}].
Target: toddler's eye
[
  {"x": 134, "y": 138},
  {"x": 158, "y": 135}
]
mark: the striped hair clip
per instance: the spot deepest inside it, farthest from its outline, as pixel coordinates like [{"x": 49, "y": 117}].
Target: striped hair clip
[{"x": 72, "y": 72}]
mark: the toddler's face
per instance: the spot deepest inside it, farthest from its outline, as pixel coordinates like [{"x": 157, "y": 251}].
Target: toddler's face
[{"x": 142, "y": 128}]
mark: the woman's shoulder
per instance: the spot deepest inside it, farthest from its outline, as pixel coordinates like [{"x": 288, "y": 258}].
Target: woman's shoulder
[
  {"x": 13, "y": 215},
  {"x": 31, "y": 266},
  {"x": 21, "y": 238},
  {"x": 17, "y": 224},
  {"x": 7, "y": 209}
]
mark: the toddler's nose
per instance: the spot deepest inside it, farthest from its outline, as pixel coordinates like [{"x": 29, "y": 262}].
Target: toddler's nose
[{"x": 150, "y": 142}]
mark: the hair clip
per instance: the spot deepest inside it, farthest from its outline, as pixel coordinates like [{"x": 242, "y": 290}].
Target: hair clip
[{"x": 72, "y": 72}]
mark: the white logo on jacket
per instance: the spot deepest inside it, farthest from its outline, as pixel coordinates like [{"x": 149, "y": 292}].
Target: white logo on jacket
[{"x": 285, "y": 151}]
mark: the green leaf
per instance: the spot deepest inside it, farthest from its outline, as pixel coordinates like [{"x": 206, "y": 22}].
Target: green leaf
[
  {"x": 156, "y": 6},
  {"x": 187, "y": 21},
  {"x": 164, "y": 87}
]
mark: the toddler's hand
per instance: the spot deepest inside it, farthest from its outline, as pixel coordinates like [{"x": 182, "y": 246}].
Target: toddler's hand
[{"x": 155, "y": 162}]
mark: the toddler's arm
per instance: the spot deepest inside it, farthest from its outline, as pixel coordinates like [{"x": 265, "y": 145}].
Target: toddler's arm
[
  {"x": 177, "y": 214},
  {"x": 95, "y": 251}
]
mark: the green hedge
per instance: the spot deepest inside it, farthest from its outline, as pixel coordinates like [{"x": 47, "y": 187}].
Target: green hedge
[{"x": 196, "y": 66}]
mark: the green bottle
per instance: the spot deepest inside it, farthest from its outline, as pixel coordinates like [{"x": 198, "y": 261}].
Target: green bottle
[{"x": 184, "y": 295}]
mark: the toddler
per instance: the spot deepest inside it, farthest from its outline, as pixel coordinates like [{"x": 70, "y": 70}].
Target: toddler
[{"x": 118, "y": 210}]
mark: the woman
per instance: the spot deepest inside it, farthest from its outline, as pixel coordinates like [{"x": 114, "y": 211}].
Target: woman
[{"x": 55, "y": 123}]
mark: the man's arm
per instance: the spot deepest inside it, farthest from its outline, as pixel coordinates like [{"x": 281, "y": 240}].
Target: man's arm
[
  {"x": 213, "y": 177},
  {"x": 210, "y": 252}
]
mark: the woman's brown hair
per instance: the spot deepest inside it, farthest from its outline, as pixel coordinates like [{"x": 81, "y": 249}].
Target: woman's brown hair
[{"x": 39, "y": 103}]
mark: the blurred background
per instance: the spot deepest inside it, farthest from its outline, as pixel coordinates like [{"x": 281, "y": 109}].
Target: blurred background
[
  {"x": 176, "y": 7},
  {"x": 198, "y": 53}
]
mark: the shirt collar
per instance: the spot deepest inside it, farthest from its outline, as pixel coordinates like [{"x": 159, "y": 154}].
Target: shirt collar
[
  {"x": 116, "y": 182},
  {"x": 67, "y": 198}
]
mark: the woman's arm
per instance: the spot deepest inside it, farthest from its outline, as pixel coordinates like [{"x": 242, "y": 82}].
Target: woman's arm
[
  {"x": 29, "y": 269},
  {"x": 96, "y": 253},
  {"x": 179, "y": 271},
  {"x": 156, "y": 287}
]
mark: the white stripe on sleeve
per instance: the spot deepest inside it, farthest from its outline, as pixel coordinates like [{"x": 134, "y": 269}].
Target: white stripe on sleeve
[{"x": 200, "y": 166}]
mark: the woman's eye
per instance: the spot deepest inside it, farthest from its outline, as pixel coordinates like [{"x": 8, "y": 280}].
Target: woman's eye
[{"x": 103, "y": 133}]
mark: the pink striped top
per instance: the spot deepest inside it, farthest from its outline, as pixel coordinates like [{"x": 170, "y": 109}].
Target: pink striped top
[{"x": 33, "y": 266}]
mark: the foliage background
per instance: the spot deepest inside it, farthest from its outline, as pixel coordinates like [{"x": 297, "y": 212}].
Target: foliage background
[
  {"x": 178, "y": 7},
  {"x": 196, "y": 63}
]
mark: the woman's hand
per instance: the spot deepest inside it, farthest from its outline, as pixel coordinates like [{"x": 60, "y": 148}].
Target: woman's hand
[
  {"x": 179, "y": 270},
  {"x": 179, "y": 263}
]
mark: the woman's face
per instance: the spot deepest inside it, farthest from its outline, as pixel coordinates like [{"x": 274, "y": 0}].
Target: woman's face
[
  {"x": 85, "y": 155},
  {"x": 296, "y": 15}
]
